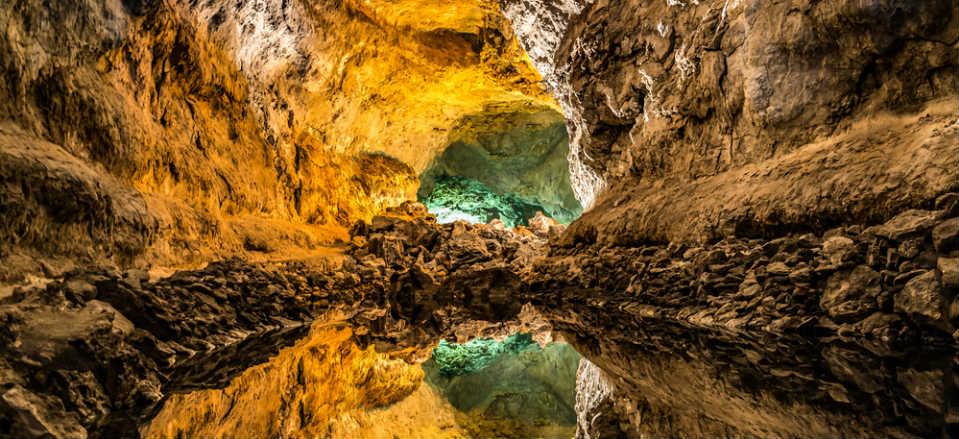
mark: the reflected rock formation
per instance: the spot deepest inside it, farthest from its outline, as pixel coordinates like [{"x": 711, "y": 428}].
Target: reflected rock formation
[{"x": 713, "y": 218}]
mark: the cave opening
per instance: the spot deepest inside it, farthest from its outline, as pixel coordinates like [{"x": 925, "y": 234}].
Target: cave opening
[
  {"x": 505, "y": 164},
  {"x": 513, "y": 387}
]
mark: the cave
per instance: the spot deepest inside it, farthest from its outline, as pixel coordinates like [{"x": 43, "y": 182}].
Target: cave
[
  {"x": 503, "y": 165},
  {"x": 479, "y": 218},
  {"x": 508, "y": 388}
]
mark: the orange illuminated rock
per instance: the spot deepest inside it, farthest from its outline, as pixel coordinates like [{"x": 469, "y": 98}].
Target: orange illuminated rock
[
  {"x": 228, "y": 119},
  {"x": 323, "y": 383}
]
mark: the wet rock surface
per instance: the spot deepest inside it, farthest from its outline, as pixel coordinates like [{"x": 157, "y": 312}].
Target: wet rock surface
[
  {"x": 802, "y": 335},
  {"x": 770, "y": 330},
  {"x": 95, "y": 353},
  {"x": 771, "y": 250}
]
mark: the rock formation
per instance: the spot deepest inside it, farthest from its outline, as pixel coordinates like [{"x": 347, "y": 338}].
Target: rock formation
[
  {"x": 770, "y": 245},
  {"x": 830, "y": 303},
  {"x": 222, "y": 129},
  {"x": 712, "y": 118}
]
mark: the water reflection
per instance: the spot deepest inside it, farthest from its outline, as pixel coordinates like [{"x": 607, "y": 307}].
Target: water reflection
[
  {"x": 332, "y": 384},
  {"x": 671, "y": 380},
  {"x": 512, "y": 388},
  {"x": 374, "y": 376}
]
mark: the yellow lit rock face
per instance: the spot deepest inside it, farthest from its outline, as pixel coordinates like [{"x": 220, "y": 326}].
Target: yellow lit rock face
[
  {"x": 409, "y": 70},
  {"x": 324, "y": 386},
  {"x": 230, "y": 118}
]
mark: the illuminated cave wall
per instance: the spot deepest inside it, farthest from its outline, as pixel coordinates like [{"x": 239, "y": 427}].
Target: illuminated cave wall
[
  {"x": 323, "y": 386},
  {"x": 327, "y": 386},
  {"x": 189, "y": 131},
  {"x": 506, "y": 163}
]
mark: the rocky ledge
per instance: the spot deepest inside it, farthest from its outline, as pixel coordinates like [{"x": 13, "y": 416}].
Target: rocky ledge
[{"x": 871, "y": 281}]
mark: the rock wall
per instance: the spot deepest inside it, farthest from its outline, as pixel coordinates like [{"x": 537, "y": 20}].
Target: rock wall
[
  {"x": 672, "y": 102},
  {"x": 790, "y": 125},
  {"x": 319, "y": 385},
  {"x": 520, "y": 153},
  {"x": 771, "y": 249},
  {"x": 245, "y": 127},
  {"x": 97, "y": 352},
  {"x": 513, "y": 388},
  {"x": 845, "y": 317}
]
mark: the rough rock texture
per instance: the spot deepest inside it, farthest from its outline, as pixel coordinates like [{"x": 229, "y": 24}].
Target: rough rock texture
[
  {"x": 823, "y": 313},
  {"x": 595, "y": 413},
  {"x": 526, "y": 159},
  {"x": 245, "y": 127},
  {"x": 732, "y": 153},
  {"x": 712, "y": 118},
  {"x": 665, "y": 324},
  {"x": 771, "y": 249},
  {"x": 95, "y": 352},
  {"x": 781, "y": 285},
  {"x": 522, "y": 390},
  {"x": 48, "y": 192},
  {"x": 305, "y": 391}
]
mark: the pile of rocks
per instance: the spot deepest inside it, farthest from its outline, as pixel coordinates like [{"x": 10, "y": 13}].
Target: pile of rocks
[{"x": 876, "y": 281}]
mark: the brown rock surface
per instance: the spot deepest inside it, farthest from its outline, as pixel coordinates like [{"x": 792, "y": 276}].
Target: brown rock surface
[
  {"x": 712, "y": 118},
  {"x": 246, "y": 127},
  {"x": 770, "y": 249}
]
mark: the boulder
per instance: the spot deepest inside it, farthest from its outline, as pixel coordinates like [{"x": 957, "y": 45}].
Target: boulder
[
  {"x": 851, "y": 295},
  {"x": 949, "y": 269},
  {"x": 946, "y": 235},
  {"x": 37, "y": 416},
  {"x": 923, "y": 386},
  {"x": 840, "y": 250},
  {"x": 910, "y": 222},
  {"x": 854, "y": 366},
  {"x": 922, "y": 296},
  {"x": 541, "y": 224}
]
